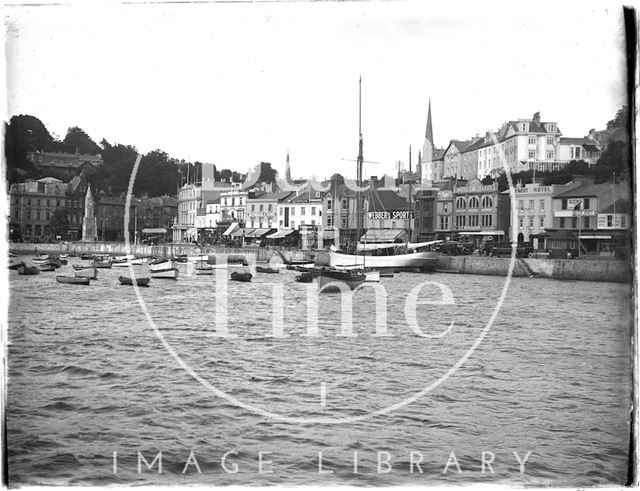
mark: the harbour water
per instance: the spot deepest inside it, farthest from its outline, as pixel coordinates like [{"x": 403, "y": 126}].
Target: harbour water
[{"x": 91, "y": 384}]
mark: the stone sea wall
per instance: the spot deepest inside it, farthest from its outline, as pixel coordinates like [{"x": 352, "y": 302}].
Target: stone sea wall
[{"x": 561, "y": 269}]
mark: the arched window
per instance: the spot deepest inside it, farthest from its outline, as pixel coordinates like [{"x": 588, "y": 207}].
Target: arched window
[
  {"x": 460, "y": 203},
  {"x": 487, "y": 202},
  {"x": 474, "y": 202}
]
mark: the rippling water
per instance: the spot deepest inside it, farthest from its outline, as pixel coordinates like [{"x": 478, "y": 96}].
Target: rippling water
[{"x": 88, "y": 376}]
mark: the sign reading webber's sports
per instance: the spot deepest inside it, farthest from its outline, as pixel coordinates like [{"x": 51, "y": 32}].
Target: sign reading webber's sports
[{"x": 390, "y": 215}]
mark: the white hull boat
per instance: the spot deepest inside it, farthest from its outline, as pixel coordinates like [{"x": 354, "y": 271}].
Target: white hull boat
[
  {"x": 163, "y": 266},
  {"x": 409, "y": 260},
  {"x": 171, "y": 273}
]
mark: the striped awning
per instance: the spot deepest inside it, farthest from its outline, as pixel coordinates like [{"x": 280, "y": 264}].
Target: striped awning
[
  {"x": 258, "y": 232},
  {"x": 241, "y": 232},
  {"x": 231, "y": 228},
  {"x": 280, "y": 233}
]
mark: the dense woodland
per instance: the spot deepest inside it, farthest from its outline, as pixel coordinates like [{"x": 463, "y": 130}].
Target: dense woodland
[{"x": 160, "y": 174}]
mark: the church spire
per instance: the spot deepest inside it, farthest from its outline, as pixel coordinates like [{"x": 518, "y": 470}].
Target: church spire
[
  {"x": 429, "y": 133},
  {"x": 287, "y": 169}
]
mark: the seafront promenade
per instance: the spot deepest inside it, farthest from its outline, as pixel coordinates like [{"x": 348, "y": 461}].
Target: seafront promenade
[{"x": 616, "y": 271}]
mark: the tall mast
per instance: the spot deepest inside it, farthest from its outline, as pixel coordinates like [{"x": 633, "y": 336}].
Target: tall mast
[
  {"x": 410, "y": 196},
  {"x": 359, "y": 165}
]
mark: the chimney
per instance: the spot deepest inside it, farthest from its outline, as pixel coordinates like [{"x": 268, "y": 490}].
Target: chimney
[
  {"x": 592, "y": 134},
  {"x": 536, "y": 118}
]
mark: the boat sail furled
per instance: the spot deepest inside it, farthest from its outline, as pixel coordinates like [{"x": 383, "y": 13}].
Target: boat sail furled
[{"x": 366, "y": 255}]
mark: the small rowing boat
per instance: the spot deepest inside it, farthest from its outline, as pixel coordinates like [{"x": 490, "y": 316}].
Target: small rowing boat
[
  {"x": 266, "y": 269},
  {"x": 125, "y": 280},
  {"x": 73, "y": 280},
  {"x": 91, "y": 273},
  {"x": 171, "y": 273},
  {"x": 241, "y": 276},
  {"x": 28, "y": 270}
]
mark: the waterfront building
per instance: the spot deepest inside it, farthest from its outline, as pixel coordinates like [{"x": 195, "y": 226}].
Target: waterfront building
[
  {"x": 262, "y": 209},
  {"x": 302, "y": 207},
  {"x": 577, "y": 210},
  {"x": 31, "y": 205},
  {"x": 444, "y": 210},
  {"x": 388, "y": 217},
  {"x": 339, "y": 217},
  {"x": 481, "y": 213},
  {"x": 469, "y": 158},
  {"x": 76, "y": 192},
  {"x": 110, "y": 216},
  {"x": 534, "y": 206},
  {"x": 424, "y": 210},
  {"x": 64, "y": 165}
]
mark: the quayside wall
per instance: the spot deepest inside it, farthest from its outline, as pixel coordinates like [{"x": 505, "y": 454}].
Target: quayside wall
[
  {"x": 119, "y": 249},
  {"x": 561, "y": 269}
]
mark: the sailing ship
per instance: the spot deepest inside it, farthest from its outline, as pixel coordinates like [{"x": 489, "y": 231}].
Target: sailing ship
[{"x": 368, "y": 255}]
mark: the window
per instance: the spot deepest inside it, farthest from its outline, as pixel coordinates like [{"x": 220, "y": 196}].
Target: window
[
  {"x": 344, "y": 223},
  {"x": 474, "y": 202},
  {"x": 280, "y": 211},
  {"x": 253, "y": 207},
  {"x": 444, "y": 223},
  {"x": 623, "y": 221},
  {"x": 531, "y": 222},
  {"x": 445, "y": 207},
  {"x": 550, "y": 154},
  {"x": 531, "y": 205},
  {"x": 532, "y": 140},
  {"x": 586, "y": 203},
  {"x": 487, "y": 202},
  {"x": 293, "y": 224},
  {"x": 541, "y": 205},
  {"x": 460, "y": 203},
  {"x": 280, "y": 223},
  {"x": 261, "y": 207},
  {"x": 549, "y": 140},
  {"x": 521, "y": 203},
  {"x": 329, "y": 204},
  {"x": 541, "y": 222},
  {"x": 532, "y": 154},
  {"x": 587, "y": 222},
  {"x": 270, "y": 208},
  {"x": 345, "y": 204},
  {"x": 564, "y": 204},
  {"x": 303, "y": 210},
  {"x": 329, "y": 221},
  {"x": 317, "y": 194},
  {"x": 574, "y": 222},
  {"x": 313, "y": 210},
  {"x": 521, "y": 223},
  {"x": 293, "y": 210}
]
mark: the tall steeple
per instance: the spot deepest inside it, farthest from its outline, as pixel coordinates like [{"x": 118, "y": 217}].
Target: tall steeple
[
  {"x": 428, "y": 148},
  {"x": 429, "y": 133},
  {"x": 287, "y": 169}
]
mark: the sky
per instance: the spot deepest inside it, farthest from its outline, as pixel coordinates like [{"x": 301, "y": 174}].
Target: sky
[{"x": 238, "y": 83}]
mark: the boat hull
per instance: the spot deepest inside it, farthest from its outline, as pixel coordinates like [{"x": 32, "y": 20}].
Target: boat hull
[
  {"x": 125, "y": 280},
  {"x": 91, "y": 273},
  {"x": 171, "y": 274},
  {"x": 331, "y": 282},
  {"x": 423, "y": 260},
  {"x": 72, "y": 280}
]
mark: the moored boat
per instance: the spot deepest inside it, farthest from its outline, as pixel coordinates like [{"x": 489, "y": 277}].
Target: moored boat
[
  {"x": 102, "y": 263},
  {"x": 331, "y": 279},
  {"x": 40, "y": 259},
  {"x": 91, "y": 273},
  {"x": 171, "y": 273},
  {"x": 241, "y": 276},
  {"x": 125, "y": 280},
  {"x": 163, "y": 265},
  {"x": 73, "y": 280},
  {"x": 15, "y": 264},
  {"x": 305, "y": 278},
  {"x": 28, "y": 270},
  {"x": 46, "y": 267},
  {"x": 422, "y": 260},
  {"x": 266, "y": 269}
]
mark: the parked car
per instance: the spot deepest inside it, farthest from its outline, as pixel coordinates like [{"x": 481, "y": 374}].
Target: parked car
[
  {"x": 498, "y": 249},
  {"x": 454, "y": 248}
]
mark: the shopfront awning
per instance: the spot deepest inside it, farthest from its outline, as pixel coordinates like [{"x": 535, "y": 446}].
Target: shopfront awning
[
  {"x": 154, "y": 230},
  {"x": 280, "y": 233},
  {"x": 603, "y": 237},
  {"x": 382, "y": 235},
  {"x": 258, "y": 232},
  {"x": 231, "y": 228},
  {"x": 484, "y": 232},
  {"x": 241, "y": 232}
]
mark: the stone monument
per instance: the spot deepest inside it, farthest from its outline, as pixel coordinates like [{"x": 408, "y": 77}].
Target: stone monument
[{"x": 89, "y": 222}]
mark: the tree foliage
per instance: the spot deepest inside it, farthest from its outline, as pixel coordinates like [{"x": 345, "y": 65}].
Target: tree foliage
[
  {"x": 78, "y": 141},
  {"x": 58, "y": 223}
]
